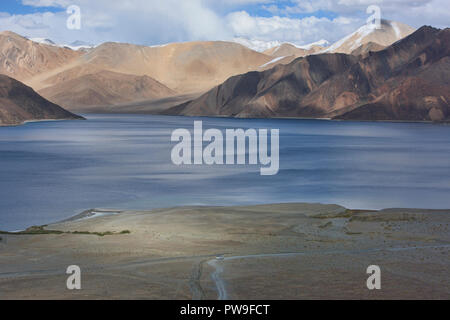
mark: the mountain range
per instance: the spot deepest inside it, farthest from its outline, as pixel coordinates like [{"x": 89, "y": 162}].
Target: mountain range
[
  {"x": 408, "y": 80},
  {"x": 219, "y": 78}
]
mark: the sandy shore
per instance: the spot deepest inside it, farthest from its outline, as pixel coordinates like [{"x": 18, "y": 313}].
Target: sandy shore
[{"x": 285, "y": 251}]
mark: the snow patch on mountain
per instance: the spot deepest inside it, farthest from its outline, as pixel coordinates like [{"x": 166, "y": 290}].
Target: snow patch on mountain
[
  {"x": 76, "y": 45},
  {"x": 257, "y": 45},
  {"x": 272, "y": 61},
  {"x": 359, "y": 35},
  {"x": 320, "y": 43},
  {"x": 43, "y": 41}
]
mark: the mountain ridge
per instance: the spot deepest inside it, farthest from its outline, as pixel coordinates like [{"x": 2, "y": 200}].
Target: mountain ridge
[
  {"x": 343, "y": 86},
  {"x": 388, "y": 33},
  {"x": 20, "y": 103}
]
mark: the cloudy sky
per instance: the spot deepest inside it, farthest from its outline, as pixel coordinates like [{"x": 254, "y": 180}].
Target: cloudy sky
[{"x": 152, "y": 22}]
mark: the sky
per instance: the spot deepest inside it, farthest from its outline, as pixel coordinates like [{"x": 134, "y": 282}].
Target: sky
[{"x": 259, "y": 23}]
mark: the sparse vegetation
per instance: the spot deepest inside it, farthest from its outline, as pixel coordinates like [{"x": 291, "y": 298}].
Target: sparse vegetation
[
  {"x": 348, "y": 213},
  {"x": 40, "y": 230},
  {"x": 101, "y": 234},
  {"x": 33, "y": 231}
]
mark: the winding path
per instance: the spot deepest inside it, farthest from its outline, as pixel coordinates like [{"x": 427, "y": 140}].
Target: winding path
[{"x": 219, "y": 269}]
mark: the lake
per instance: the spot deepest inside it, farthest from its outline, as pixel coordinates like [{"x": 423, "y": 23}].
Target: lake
[{"x": 50, "y": 171}]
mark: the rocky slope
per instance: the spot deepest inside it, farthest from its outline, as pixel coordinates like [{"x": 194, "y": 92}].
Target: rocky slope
[
  {"x": 19, "y": 103},
  {"x": 22, "y": 58},
  {"x": 406, "y": 81}
]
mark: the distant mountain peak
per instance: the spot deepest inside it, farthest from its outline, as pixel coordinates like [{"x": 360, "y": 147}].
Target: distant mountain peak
[
  {"x": 257, "y": 45},
  {"x": 79, "y": 45},
  {"x": 43, "y": 41},
  {"x": 76, "y": 45},
  {"x": 387, "y": 34},
  {"x": 286, "y": 50},
  {"x": 263, "y": 45},
  {"x": 320, "y": 43}
]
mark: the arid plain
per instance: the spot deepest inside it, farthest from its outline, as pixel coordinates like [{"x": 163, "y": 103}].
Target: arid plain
[{"x": 284, "y": 251}]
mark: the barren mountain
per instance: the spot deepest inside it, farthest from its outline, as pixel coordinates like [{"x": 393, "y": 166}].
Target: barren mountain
[
  {"x": 184, "y": 67},
  {"x": 117, "y": 73},
  {"x": 287, "y": 49},
  {"x": 275, "y": 92},
  {"x": 113, "y": 73},
  {"x": 19, "y": 103},
  {"x": 389, "y": 33},
  {"x": 22, "y": 58},
  {"x": 287, "y": 52},
  {"x": 406, "y": 81},
  {"x": 102, "y": 88}
]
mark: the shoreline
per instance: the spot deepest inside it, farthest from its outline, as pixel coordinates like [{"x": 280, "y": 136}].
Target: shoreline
[
  {"x": 228, "y": 117},
  {"x": 86, "y": 214},
  {"x": 99, "y": 212},
  {"x": 274, "y": 118},
  {"x": 39, "y": 120}
]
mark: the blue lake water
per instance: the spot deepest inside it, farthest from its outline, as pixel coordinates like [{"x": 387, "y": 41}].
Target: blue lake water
[{"x": 53, "y": 170}]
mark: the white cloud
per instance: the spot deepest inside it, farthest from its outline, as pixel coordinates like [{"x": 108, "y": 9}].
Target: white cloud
[
  {"x": 135, "y": 21},
  {"x": 346, "y": 6},
  {"x": 282, "y": 29},
  {"x": 155, "y": 22},
  {"x": 237, "y": 2},
  {"x": 413, "y": 12},
  {"x": 47, "y": 3},
  {"x": 423, "y": 12}
]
